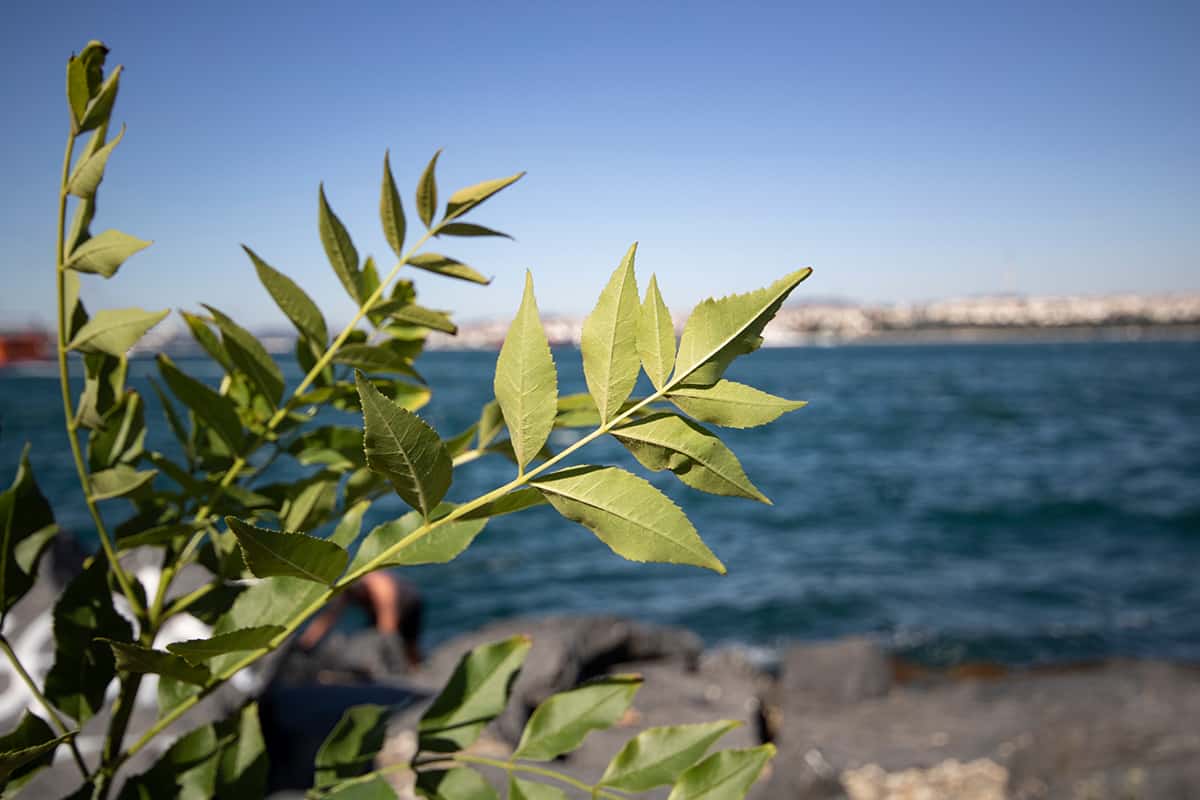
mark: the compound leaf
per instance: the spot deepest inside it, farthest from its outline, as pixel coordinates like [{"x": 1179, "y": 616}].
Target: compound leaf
[
  {"x": 114, "y": 331},
  {"x": 526, "y": 383},
  {"x": 609, "y": 340},
  {"x": 248, "y": 354},
  {"x": 198, "y": 650},
  {"x": 727, "y": 775},
  {"x": 475, "y": 695},
  {"x": 339, "y": 248},
  {"x": 298, "y": 555},
  {"x": 450, "y": 267},
  {"x": 104, "y": 253},
  {"x": 350, "y": 748},
  {"x": 657, "y": 756},
  {"x": 427, "y": 191},
  {"x": 443, "y": 543},
  {"x": 718, "y": 331},
  {"x": 405, "y": 450},
  {"x": 88, "y": 173},
  {"x": 731, "y": 404},
  {"x": 697, "y": 457},
  {"x": 293, "y": 301},
  {"x": 561, "y": 722},
  {"x": 135, "y": 658},
  {"x": 633, "y": 518},
  {"x": 216, "y": 410},
  {"x": 656, "y": 336},
  {"x": 471, "y": 197},
  {"x": 391, "y": 211}
]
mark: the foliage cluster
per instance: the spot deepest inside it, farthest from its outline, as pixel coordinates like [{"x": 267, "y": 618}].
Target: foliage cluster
[{"x": 214, "y": 500}]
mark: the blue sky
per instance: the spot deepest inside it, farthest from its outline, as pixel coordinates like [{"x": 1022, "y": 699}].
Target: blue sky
[{"x": 906, "y": 151}]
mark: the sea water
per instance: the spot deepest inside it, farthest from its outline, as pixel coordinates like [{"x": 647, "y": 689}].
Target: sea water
[{"x": 1023, "y": 503}]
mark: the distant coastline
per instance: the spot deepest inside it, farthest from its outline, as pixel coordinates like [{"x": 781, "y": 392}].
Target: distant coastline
[{"x": 972, "y": 320}]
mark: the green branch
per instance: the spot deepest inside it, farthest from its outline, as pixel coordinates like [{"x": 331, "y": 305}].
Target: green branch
[
  {"x": 27, "y": 679},
  {"x": 64, "y": 380}
]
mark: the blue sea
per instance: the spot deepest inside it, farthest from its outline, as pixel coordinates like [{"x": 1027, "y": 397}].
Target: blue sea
[{"x": 1017, "y": 503}]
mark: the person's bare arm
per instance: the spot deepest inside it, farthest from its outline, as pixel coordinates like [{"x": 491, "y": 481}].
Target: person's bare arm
[
  {"x": 381, "y": 592},
  {"x": 322, "y": 624}
]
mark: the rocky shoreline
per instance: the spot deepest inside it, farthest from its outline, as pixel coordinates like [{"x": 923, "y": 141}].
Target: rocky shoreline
[{"x": 849, "y": 720}]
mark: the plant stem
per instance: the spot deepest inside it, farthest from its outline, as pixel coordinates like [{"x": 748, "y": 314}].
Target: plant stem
[
  {"x": 110, "y": 759},
  {"x": 41, "y": 698},
  {"x": 510, "y": 767},
  {"x": 64, "y": 380}
]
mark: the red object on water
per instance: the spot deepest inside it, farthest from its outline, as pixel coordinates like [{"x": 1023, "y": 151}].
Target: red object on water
[{"x": 24, "y": 346}]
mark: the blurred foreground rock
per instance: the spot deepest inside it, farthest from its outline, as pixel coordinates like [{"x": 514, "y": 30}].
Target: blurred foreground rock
[{"x": 850, "y": 722}]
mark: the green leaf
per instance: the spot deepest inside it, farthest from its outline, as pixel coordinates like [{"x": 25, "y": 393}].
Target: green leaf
[
  {"x": 25, "y": 750},
  {"x": 656, "y": 336},
  {"x": 121, "y": 436},
  {"x": 77, "y": 90},
  {"x": 444, "y": 543},
  {"x": 198, "y": 650},
  {"x": 468, "y": 229},
  {"x": 427, "y": 191},
  {"x": 118, "y": 481},
  {"x": 416, "y": 315},
  {"x": 609, "y": 340},
  {"x": 374, "y": 358},
  {"x": 471, "y": 197},
  {"x": 526, "y": 383},
  {"x": 391, "y": 211},
  {"x": 335, "y": 447},
  {"x": 519, "y": 789},
  {"x": 697, "y": 457},
  {"x": 214, "y": 409},
  {"x": 350, "y": 748},
  {"x": 633, "y": 518},
  {"x": 657, "y": 756},
  {"x": 562, "y": 721},
  {"x": 510, "y": 503},
  {"x": 242, "y": 769},
  {"x": 491, "y": 423},
  {"x": 88, "y": 173},
  {"x": 250, "y": 356},
  {"x": 157, "y": 535},
  {"x": 186, "y": 771},
  {"x": 718, "y": 331},
  {"x": 114, "y": 331},
  {"x": 475, "y": 695},
  {"x": 274, "y": 553},
  {"x": 104, "y": 253},
  {"x": 311, "y": 506},
  {"x": 338, "y": 246},
  {"x": 273, "y": 601},
  {"x": 444, "y": 265},
  {"x": 727, "y": 775},
  {"x": 295, "y": 304},
  {"x": 348, "y": 528},
  {"x": 208, "y": 341},
  {"x": 135, "y": 658},
  {"x": 84, "y": 665},
  {"x": 24, "y": 514},
  {"x": 459, "y": 783},
  {"x": 405, "y": 450},
  {"x": 731, "y": 404},
  {"x": 375, "y": 789},
  {"x": 101, "y": 105},
  {"x": 103, "y": 388}
]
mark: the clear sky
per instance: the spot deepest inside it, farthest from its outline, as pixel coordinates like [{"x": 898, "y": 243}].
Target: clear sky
[{"x": 904, "y": 150}]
